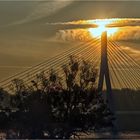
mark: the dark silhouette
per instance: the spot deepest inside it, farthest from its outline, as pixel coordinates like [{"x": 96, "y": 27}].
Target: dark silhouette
[{"x": 56, "y": 106}]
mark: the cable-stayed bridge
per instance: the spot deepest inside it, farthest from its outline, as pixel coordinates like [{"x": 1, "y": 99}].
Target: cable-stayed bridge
[
  {"x": 117, "y": 69},
  {"x": 124, "y": 70}
]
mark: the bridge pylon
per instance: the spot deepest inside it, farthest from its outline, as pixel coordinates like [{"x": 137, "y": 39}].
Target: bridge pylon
[{"x": 104, "y": 72}]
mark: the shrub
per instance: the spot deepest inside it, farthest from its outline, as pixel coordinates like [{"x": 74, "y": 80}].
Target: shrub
[{"x": 59, "y": 105}]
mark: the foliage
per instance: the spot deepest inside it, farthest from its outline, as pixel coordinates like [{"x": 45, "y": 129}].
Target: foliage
[{"x": 56, "y": 105}]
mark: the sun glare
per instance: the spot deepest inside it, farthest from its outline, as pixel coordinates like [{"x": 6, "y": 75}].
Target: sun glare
[{"x": 102, "y": 26}]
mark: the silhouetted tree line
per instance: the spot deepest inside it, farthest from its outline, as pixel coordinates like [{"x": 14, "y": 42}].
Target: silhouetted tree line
[
  {"x": 126, "y": 99},
  {"x": 54, "y": 105}
]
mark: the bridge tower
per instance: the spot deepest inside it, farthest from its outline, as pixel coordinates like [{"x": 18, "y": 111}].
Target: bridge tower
[
  {"x": 104, "y": 70},
  {"x": 104, "y": 74}
]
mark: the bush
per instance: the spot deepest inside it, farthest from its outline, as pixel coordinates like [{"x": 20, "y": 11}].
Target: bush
[{"x": 59, "y": 105}]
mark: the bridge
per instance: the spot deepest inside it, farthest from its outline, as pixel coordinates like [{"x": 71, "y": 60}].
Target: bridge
[
  {"x": 123, "y": 69},
  {"x": 118, "y": 70}
]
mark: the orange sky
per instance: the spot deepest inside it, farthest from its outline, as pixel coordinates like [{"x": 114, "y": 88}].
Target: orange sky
[{"x": 32, "y": 31}]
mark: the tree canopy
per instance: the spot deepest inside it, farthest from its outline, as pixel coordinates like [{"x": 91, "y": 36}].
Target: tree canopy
[{"x": 56, "y": 105}]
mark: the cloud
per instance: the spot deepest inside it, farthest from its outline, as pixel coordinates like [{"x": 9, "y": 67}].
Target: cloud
[
  {"x": 44, "y": 9},
  {"x": 72, "y": 35},
  {"x": 72, "y": 25},
  {"x": 128, "y": 28},
  {"x": 112, "y": 22},
  {"x": 125, "y": 22},
  {"x": 127, "y": 33}
]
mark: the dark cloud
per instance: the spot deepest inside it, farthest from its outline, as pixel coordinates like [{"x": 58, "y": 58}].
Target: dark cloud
[
  {"x": 125, "y": 22},
  {"x": 128, "y": 29},
  {"x": 72, "y": 25}
]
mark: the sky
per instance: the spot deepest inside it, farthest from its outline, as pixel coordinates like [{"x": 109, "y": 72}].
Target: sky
[{"x": 32, "y": 31}]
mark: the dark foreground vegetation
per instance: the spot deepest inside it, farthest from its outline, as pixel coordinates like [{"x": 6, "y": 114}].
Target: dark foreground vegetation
[{"x": 54, "y": 105}]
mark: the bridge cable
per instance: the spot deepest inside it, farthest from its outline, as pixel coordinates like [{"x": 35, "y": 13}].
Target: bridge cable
[
  {"x": 21, "y": 75},
  {"x": 48, "y": 60},
  {"x": 135, "y": 77},
  {"x": 120, "y": 58}
]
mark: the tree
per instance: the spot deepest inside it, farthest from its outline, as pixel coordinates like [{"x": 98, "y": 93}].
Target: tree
[{"x": 59, "y": 105}]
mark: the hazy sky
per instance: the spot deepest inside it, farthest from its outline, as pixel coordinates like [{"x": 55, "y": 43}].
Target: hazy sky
[
  {"x": 59, "y": 10},
  {"x": 27, "y": 35}
]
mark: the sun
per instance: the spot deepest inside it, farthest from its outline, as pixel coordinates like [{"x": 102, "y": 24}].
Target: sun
[{"x": 101, "y": 27}]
